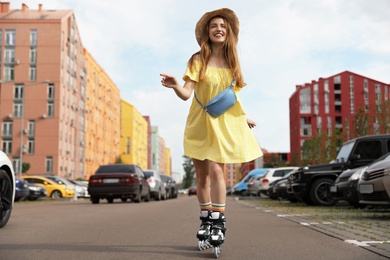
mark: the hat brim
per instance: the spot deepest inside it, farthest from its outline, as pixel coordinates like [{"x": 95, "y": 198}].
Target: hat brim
[{"x": 226, "y": 13}]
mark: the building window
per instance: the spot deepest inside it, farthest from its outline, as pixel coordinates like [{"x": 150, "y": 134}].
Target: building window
[
  {"x": 33, "y": 73},
  {"x": 49, "y": 164},
  {"x": 18, "y": 92},
  {"x": 9, "y": 73},
  {"x": 10, "y": 37},
  {"x": 33, "y": 38},
  {"x": 50, "y": 110},
  {"x": 18, "y": 108},
  {"x": 33, "y": 56},
  {"x": 7, "y": 146},
  {"x": 30, "y": 146},
  {"x": 7, "y": 129},
  {"x": 16, "y": 164},
  {"x": 128, "y": 145},
  {"x": 31, "y": 128},
  {"x": 50, "y": 91},
  {"x": 9, "y": 56}
]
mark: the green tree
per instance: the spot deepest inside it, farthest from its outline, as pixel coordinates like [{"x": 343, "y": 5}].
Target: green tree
[
  {"x": 118, "y": 160},
  {"x": 25, "y": 167},
  {"x": 361, "y": 123},
  {"x": 189, "y": 172}
]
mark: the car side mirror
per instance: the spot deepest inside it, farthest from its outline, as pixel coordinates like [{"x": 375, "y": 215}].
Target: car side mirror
[{"x": 354, "y": 157}]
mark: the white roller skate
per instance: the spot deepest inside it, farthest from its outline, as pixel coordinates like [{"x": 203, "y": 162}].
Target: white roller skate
[
  {"x": 204, "y": 230},
  {"x": 218, "y": 230}
]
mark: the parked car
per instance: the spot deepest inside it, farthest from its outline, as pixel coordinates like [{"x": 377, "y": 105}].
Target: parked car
[
  {"x": 79, "y": 191},
  {"x": 191, "y": 191},
  {"x": 253, "y": 185},
  {"x": 36, "y": 192},
  {"x": 272, "y": 175},
  {"x": 346, "y": 185},
  {"x": 174, "y": 189},
  {"x": 241, "y": 188},
  {"x": 374, "y": 184},
  {"x": 80, "y": 188},
  {"x": 311, "y": 184},
  {"x": 157, "y": 187},
  {"x": 54, "y": 190},
  {"x": 21, "y": 189},
  {"x": 278, "y": 189},
  {"x": 7, "y": 188},
  {"x": 122, "y": 181}
]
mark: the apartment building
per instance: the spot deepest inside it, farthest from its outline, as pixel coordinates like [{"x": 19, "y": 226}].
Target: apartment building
[
  {"x": 134, "y": 136},
  {"x": 42, "y": 90},
  {"x": 334, "y": 103},
  {"x": 102, "y": 117}
]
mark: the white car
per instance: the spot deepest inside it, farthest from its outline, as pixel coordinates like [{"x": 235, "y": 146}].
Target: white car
[
  {"x": 7, "y": 188},
  {"x": 271, "y": 175}
]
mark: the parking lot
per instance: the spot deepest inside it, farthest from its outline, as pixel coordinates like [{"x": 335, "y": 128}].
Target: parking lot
[{"x": 368, "y": 227}]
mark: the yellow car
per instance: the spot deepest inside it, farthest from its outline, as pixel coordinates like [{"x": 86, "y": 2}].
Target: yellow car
[{"x": 54, "y": 190}]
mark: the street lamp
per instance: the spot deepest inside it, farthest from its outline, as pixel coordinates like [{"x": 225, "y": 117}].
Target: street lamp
[{"x": 22, "y": 126}]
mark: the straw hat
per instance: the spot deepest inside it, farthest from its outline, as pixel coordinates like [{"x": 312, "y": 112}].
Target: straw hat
[{"x": 229, "y": 15}]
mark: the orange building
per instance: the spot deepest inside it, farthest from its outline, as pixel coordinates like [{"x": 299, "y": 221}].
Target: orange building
[
  {"x": 102, "y": 117},
  {"x": 42, "y": 91}
]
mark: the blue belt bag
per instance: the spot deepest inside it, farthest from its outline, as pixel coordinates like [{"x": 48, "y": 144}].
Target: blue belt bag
[{"x": 220, "y": 103}]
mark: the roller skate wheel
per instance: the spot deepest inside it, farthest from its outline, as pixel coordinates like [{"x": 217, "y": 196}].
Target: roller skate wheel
[
  {"x": 217, "y": 251},
  {"x": 204, "y": 244}
]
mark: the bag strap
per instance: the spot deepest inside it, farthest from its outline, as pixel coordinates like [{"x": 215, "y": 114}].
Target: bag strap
[{"x": 204, "y": 107}]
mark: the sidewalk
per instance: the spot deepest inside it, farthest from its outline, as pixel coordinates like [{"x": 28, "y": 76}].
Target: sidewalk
[{"x": 368, "y": 231}]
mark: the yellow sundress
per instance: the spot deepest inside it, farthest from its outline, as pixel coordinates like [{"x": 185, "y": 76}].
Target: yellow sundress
[{"x": 225, "y": 139}]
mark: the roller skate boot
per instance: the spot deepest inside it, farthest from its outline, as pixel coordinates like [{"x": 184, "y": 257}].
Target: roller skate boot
[
  {"x": 204, "y": 230},
  {"x": 218, "y": 230}
]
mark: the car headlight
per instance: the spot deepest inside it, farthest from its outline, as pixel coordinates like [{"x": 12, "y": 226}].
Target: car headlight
[{"x": 357, "y": 174}]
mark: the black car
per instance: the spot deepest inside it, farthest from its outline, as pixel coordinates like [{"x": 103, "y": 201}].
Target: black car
[
  {"x": 278, "y": 189},
  {"x": 311, "y": 184},
  {"x": 36, "y": 192}
]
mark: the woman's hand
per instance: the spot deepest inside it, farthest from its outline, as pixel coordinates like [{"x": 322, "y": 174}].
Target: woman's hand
[
  {"x": 169, "y": 81},
  {"x": 250, "y": 123}
]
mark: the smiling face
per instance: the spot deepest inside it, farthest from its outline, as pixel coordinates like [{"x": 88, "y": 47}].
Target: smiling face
[{"x": 217, "y": 30}]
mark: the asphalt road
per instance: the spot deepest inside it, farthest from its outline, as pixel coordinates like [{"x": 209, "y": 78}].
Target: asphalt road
[{"x": 158, "y": 230}]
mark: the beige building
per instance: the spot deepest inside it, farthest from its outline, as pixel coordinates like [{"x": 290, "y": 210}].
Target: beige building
[
  {"x": 42, "y": 90},
  {"x": 102, "y": 117}
]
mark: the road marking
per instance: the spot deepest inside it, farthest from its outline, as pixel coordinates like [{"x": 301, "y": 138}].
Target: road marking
[{"x": 365, "y": 243}]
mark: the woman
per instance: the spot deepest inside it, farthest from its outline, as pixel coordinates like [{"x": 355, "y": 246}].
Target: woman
[{"x": 213, "y": 141}]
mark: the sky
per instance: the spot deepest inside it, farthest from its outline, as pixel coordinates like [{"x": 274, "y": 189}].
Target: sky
[{"x": 282, "y": 44}]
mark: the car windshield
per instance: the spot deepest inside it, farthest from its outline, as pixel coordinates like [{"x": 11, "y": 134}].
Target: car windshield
[
  {"x": 148, "y": 174},
  {"x": 59, "y": 181},
  {"x": 344, "y": 152}
]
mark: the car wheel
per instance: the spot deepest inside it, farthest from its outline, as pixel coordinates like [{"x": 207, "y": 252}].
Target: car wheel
[
  {"x": 123, "y": 199},
  {"x": 243, "y": 193},
  {"x": 95, "y": 200},
  {"x": 56, "y": 194},
  {"x": 110, "y": 200},
  {"x": 137, "y": 198},
  {"x": 6, "y": 192},
  {"x": 320, "y": 192},
  {"x": 147, "y": 197},
  {"x": 158, "y": 196}
]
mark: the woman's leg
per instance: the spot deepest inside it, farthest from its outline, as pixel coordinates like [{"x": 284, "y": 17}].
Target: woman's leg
[
  {"x": 202, "y": 183},
  {"x": 218, "y": 186}
]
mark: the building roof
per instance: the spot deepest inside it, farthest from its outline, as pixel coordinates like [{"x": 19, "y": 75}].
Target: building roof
[{"x": 26, "y": 14}]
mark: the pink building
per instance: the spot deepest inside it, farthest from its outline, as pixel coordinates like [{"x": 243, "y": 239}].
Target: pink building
[{"x": 42, "y": 90}]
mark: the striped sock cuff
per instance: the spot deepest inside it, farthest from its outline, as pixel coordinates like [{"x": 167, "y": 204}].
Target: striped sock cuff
[
  {"x": 205, "y": 206},
  {"x": 218, "y": 207}
]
